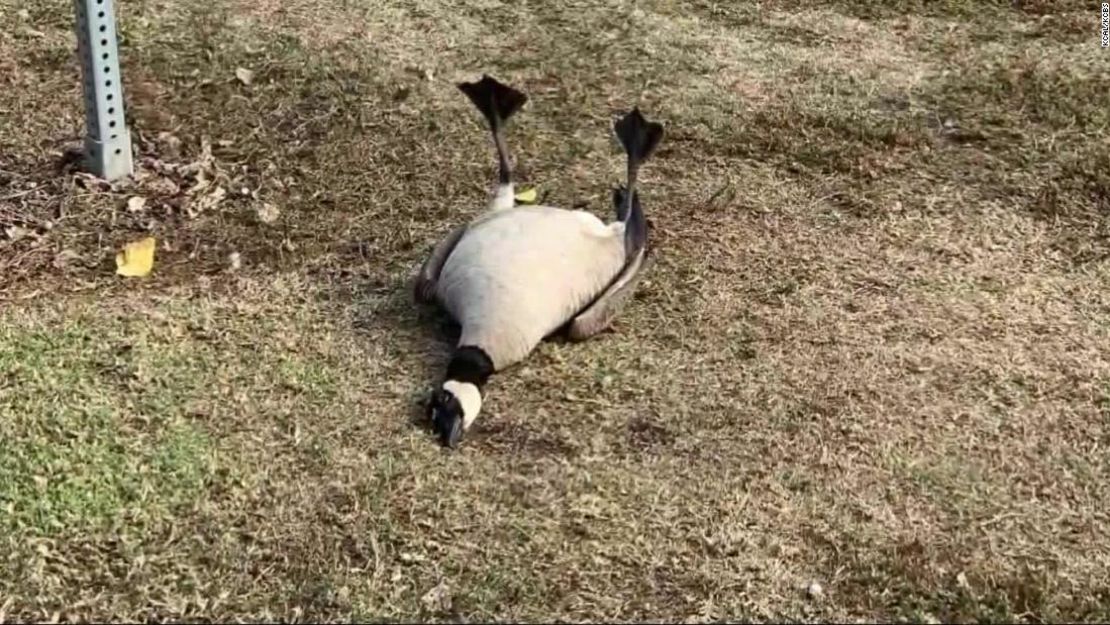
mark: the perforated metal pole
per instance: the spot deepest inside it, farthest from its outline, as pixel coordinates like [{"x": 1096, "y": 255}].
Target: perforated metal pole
[{"x": 107, "y": 140}]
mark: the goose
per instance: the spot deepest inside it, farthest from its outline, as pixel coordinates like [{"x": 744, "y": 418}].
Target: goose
[{"x": 518, "y": 274}]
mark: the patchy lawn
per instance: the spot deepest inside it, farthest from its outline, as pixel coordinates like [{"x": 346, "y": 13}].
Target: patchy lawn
[{"x": 874, "y": 355}]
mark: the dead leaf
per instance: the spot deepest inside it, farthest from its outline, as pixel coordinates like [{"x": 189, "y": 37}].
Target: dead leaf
[
  {"x": 244, "y": 75},
  {"x": 162, "y": 186},
  {"x": 169, "y": 144},
  {"x": 92, "y": 183},
  {"x": 268, "y": 213},
  {"x": 62, "y": 258},
  {"x": 408, "y": 557},
  {"x": 16, "y": 233},
  {"x": 438, "y": 599},
  {"x": 206, "y": 202},
  {"x": 136, "y": 204},
  {"x": 136, "y": 259}
]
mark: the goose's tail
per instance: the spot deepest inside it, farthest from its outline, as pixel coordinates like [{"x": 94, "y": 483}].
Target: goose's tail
[
  {"x": 497, "y": 102},
  {"x": 640, "y": 138}
]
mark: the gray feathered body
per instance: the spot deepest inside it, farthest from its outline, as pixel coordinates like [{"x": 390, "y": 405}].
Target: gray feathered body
[{"x": 519, "y": 274}]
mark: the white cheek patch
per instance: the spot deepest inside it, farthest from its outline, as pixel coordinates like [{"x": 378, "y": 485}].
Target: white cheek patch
[{"x": 470, "y": 398}]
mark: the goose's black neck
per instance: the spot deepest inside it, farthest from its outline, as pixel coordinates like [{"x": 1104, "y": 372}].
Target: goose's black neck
[{"x": 470, "y": 364}]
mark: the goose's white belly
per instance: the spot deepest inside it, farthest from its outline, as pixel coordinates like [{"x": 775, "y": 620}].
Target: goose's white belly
[{"x": 518, "y": 275}]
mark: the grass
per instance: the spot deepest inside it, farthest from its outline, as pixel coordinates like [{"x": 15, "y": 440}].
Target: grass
[{"x": 872, "y": 355}]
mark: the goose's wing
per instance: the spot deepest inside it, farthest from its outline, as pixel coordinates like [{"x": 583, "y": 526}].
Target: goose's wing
[
  {"x": 601, "y": 312},
  {"x": 425, "y": 285}
]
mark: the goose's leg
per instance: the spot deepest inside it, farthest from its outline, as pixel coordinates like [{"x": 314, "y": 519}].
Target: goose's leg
[
  {"x": 639, "y": 138},
  {"x": 497, "y": 103},
  {"x": 424, "y": 287}
]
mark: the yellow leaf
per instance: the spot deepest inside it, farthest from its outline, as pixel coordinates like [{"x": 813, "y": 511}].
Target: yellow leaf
[
  {"x": 527, "y": 196},
  {"x": 136, "y": 259}
]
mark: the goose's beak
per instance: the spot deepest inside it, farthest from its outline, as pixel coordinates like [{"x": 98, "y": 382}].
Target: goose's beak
[{"x": 449, "y": 426}]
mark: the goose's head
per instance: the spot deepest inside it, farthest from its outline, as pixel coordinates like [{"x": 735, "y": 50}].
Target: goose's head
[{"x": 452, "y": 409}]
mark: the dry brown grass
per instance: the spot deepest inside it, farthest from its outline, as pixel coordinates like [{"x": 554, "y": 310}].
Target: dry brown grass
[{"x": 873, "y": 353}]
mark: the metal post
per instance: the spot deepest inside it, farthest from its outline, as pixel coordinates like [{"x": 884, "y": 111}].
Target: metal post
[{"x": 107, "y": 139}]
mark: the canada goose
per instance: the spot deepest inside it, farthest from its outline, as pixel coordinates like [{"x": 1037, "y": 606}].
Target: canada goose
[{"x": 517, "y": 274}]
